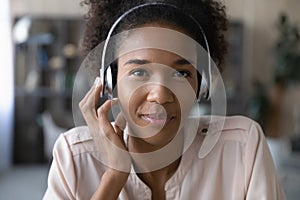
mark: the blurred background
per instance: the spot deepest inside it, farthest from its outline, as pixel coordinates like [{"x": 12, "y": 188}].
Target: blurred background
[{"x": 40, "y": 42}]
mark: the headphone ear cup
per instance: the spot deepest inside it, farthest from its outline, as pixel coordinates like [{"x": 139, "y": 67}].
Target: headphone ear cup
[
  {"x": 204, "y": 91},
  {"x": 109, "y": 80}
]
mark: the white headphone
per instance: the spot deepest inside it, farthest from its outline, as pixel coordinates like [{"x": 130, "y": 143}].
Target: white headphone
[{"x": 107, "y": 76}]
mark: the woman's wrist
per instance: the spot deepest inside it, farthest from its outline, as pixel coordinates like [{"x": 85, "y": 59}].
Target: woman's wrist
[
  {"x": 114, "y": 174},
  {"x": 111, "y": 184}
]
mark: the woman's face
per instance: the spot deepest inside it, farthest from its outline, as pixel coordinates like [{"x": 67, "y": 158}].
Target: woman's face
[{"x": 156, "y": 89}]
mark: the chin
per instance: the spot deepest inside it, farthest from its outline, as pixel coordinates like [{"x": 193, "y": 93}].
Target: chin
[{"x": 156, "y": 134}]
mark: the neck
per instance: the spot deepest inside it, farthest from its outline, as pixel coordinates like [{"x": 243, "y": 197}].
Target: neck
[
  {"x": 154, "y": 143},
  {"x": 156, "y": 160},
  {"x": 158, "y": 178},
  {"x": 139, "y": 145}
]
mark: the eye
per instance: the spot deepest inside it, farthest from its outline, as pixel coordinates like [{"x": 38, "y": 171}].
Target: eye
[
  {"x": 139, "y": 73},
  {"x": 182, "y": 74}
]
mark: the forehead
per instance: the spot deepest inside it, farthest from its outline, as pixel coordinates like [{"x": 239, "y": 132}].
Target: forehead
[
  {"x": 145, "y": 39},
  {"x": 153, "y": 56}
]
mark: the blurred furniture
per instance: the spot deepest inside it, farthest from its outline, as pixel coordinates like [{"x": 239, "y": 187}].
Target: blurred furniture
[
  {"x": 233, "y": 75},
  {"x": 46, "y": 62},
  {"x": 51, "y": 132}
]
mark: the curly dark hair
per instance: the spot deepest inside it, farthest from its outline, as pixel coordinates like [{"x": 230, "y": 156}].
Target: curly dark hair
[{"x": 210, "y": 14}]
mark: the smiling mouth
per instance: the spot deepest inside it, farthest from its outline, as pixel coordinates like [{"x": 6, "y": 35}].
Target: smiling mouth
[{"x": 157, "y": 119}]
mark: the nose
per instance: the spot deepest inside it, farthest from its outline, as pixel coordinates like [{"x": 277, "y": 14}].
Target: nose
[{"x": 160, "y": 94}]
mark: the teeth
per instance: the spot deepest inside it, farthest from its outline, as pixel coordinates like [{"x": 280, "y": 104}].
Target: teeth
[{"x": 157, "y": 116}]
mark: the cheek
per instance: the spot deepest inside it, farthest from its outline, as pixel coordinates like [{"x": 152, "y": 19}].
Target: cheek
[
  {"x": 186, "y": 98},
  {"x": 186, "y": 105},
  {"x": 130, "y": 99},
  {"x": 194, "y": 85}
]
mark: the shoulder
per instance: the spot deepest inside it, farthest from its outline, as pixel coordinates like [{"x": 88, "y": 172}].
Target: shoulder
[
  {"x": 77, "y": 135},
  {"x": 229, "y": 126},
  {"x": 231, "y": 130},
  {"x": 245, "y": 131},
  {"x": 238, "y": 123},
  {"x": 75, "y": 170},
  {"x": 241, "y": 128},
  {"x": 77, "y": 140}
]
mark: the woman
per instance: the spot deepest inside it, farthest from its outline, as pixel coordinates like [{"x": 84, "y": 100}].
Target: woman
[{"x": 154, "y": 149}]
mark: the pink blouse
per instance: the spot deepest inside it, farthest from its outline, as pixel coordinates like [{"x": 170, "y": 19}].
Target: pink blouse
[{"x": 234, "y": 166}]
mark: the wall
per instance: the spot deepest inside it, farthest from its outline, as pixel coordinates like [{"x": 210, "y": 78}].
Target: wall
[
  {"x": 46, "y": 7},
  {"x": 260, "y": 18}
]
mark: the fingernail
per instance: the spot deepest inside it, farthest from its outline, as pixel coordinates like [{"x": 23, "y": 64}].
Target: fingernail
[
  {"x": 97, "y": 81},
  {"x": 114, "y": 100}
]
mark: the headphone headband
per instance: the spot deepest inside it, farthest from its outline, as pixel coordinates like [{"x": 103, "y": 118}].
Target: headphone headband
[{"x": 103, "y": 68}]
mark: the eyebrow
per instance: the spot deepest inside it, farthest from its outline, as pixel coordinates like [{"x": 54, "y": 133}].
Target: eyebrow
[
  {"x": 183, "y": 62},
  {"x": 137, "y": 61},
  {"x": 142, "y": 62}
]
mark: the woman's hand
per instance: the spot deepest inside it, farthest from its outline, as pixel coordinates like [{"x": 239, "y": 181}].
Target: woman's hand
[{"x": 109, "y": 141}]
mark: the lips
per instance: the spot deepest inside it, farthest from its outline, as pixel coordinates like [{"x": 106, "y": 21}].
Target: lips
[{"x": 157, "y": 118}]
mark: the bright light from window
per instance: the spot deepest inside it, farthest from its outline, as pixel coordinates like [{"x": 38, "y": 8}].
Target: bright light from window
[
  {"x": 21, "y": 30},
  {"x": 6, "y": 86}
]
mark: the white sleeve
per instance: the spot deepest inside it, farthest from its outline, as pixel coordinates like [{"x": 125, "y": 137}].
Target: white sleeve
[
  {"x": 62, "y": 176},
  {"x": 261, "y": 176}
]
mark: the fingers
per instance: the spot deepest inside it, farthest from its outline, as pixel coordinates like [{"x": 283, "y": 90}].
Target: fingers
[
  {"x": 120, "y": 121},
  {"x": 98, "y": 88},
  {"x": 97, "y": 84},
  {"x": 87, "y": 104},
  {"x": 103, "y": 116},
  {"x": 99, "y": 122},
  {"x": 85, "y": 98},
  {"x": 112, "y": 134},
  {"x": 108, "y": 139}
]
